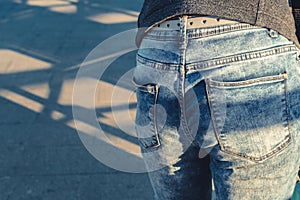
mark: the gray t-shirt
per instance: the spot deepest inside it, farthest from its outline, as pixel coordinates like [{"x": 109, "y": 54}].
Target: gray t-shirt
[{"x": 272, "y": 14}]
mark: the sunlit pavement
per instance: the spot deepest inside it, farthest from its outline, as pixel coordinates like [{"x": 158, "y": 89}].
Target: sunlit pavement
[{"x": 42, "y": 44}]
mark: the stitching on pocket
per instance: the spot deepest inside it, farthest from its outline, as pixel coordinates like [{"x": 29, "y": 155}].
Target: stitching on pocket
[
  {"x": 222, "y": 137},
  {"x": 261, "y": 80}
]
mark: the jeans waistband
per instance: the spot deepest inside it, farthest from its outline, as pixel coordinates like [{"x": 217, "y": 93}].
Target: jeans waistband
[
  {"x": 210, "y": 47},
  {"x": 166, "y": 34}
]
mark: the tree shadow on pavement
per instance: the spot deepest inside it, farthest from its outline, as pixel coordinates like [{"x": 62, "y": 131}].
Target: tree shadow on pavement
[{"x": 42, "y": 44}]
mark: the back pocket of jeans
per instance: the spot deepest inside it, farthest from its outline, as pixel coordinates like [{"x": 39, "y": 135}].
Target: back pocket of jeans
[
  {"x": 250, "y": 117},
  {"x": 145, "y": 116}
]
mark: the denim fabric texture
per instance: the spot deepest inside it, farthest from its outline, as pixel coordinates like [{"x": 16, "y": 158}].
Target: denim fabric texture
[{"x": 219, "y": 103}]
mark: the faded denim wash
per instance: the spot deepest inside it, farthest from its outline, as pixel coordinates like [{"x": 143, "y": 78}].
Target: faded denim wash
[{"x": 232, "y": 91}]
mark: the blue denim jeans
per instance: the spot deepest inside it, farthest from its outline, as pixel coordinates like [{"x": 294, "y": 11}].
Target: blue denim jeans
[{"x": 222, "y": 104}]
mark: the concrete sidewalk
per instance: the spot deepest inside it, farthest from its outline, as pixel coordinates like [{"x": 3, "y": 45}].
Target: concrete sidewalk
[{"x": 42, "y": 42}]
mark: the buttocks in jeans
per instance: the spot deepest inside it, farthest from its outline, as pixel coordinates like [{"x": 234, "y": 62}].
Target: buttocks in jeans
[{"x": 233, "y": 90}]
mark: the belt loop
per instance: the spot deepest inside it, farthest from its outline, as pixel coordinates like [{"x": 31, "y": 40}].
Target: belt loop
[
  {"x": 183, "y": 24},
  {"x": 183, "y": 30}
]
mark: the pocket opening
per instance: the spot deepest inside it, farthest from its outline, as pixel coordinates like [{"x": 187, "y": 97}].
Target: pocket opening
[{"x": 147, "y": 95}]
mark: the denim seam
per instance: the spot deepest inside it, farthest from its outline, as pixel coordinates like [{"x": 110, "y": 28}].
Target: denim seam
[
  {"x": 199, "y": 33},
  {"x": 157, "y": 65},
  {"x": 205, "y": 65},
  {"x": 153, "y": 119},
  {"x": 287, "y": 108},
  {"x": 240, "y": 57},
  {"x": 182, "y": 74},
  {"x": 162, "y": 38},
  {"x": 218, "y": 136},
  {"x": 249, "y": 82}
]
